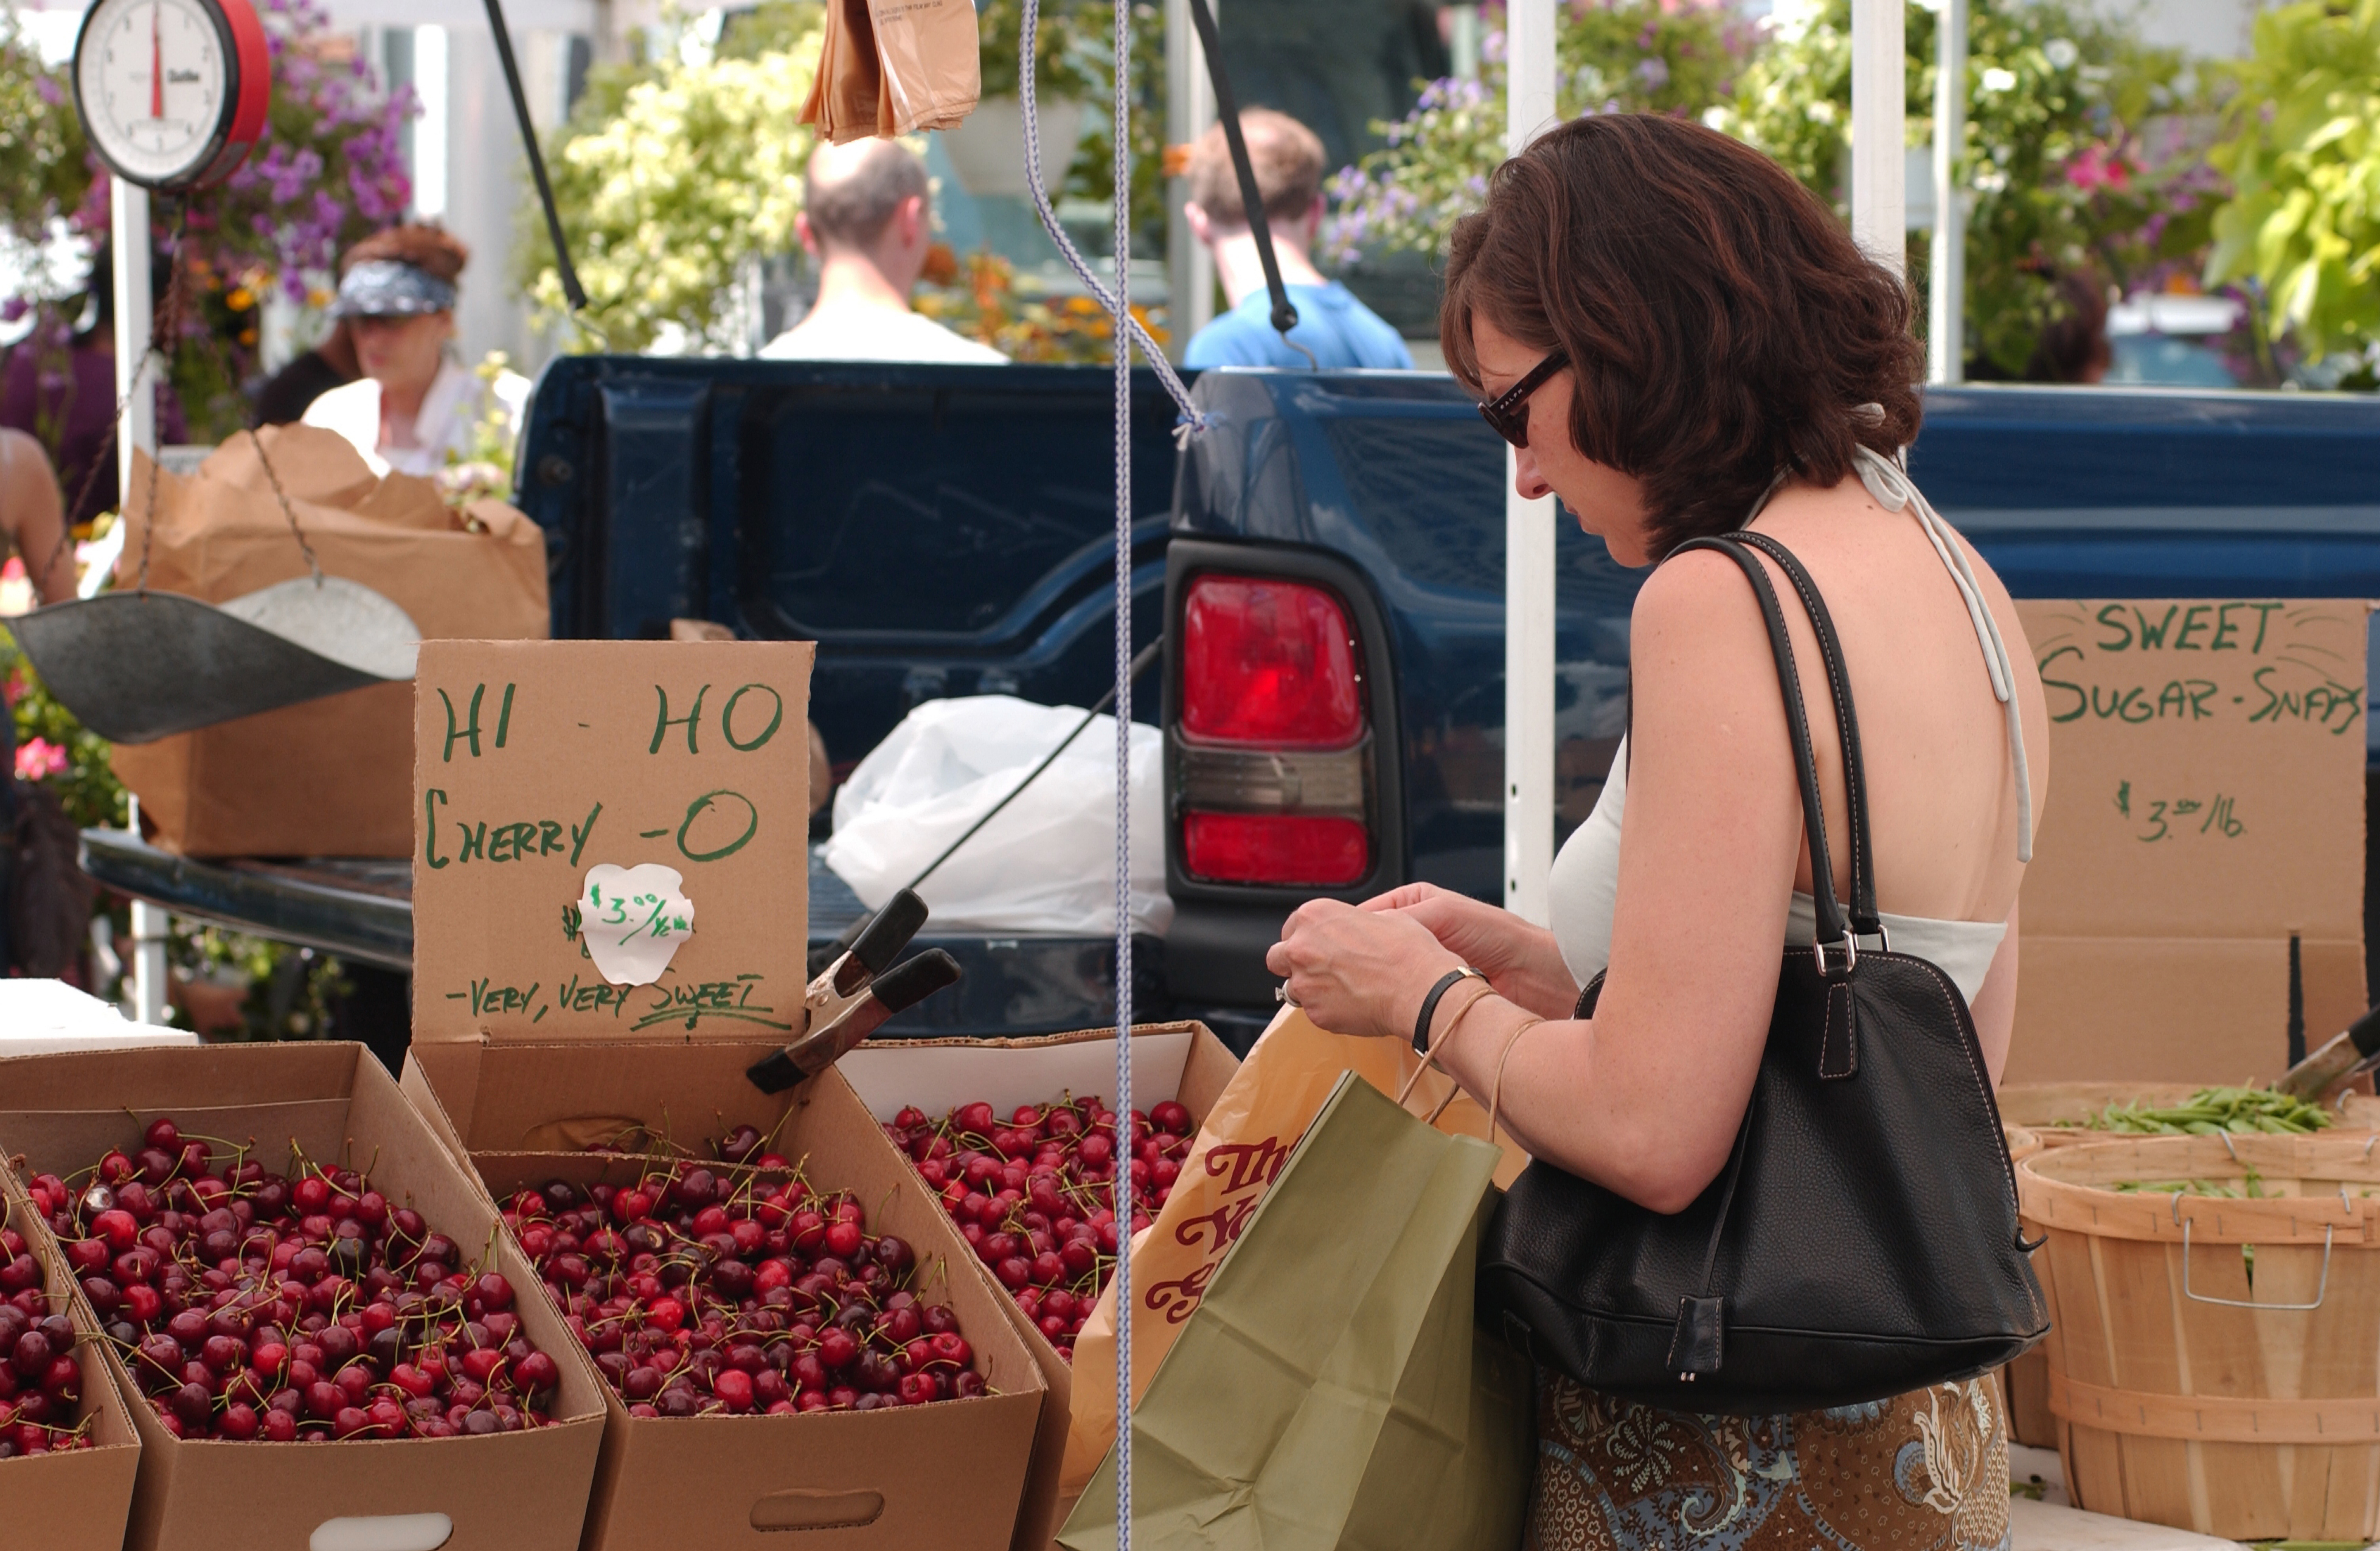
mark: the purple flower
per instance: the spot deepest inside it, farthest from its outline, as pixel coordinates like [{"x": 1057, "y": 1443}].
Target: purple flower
[{"x": 1652, "y": 71}]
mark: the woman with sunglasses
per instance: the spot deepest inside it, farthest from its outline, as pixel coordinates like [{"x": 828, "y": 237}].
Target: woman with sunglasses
[{"x": 1682, "y": 341}]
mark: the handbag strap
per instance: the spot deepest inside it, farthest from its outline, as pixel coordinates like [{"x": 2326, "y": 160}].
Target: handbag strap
[
  {"x": 1832, "y": 926},
  {"x": 1863, "y": 915}
]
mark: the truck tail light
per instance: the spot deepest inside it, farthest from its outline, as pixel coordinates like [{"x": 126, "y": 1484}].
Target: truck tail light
[
  {"x": 1272, "y": 755},
  {"x": 1267, "y": 662},
  {"x": 1275, "y": 848}
]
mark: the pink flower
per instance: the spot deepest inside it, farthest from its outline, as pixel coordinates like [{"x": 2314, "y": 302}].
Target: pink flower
[
  {"x": 2096, "y": 167},
  {"x": 38, "y": 759}
]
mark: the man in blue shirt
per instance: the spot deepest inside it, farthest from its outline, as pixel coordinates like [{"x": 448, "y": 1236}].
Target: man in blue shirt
[{"x": 1339, "y": 330}]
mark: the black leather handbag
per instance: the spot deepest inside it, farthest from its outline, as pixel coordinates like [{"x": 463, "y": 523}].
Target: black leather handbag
[{"x": 1862, "y": 1240}]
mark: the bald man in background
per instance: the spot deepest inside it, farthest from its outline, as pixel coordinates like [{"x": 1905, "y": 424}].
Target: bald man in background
[{"x": 866, "y": 219}]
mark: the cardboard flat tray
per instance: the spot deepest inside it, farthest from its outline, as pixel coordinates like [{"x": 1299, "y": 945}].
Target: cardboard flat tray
[
  {"x": 1182, "y": 1062},
  {"x": 524, "y": 1491},
  {"x": 950, "y": 1475},
  {"x": 79, "y": 1500}
]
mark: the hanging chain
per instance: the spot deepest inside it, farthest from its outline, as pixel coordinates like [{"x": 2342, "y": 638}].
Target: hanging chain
[{"x": 166, "y": 325}]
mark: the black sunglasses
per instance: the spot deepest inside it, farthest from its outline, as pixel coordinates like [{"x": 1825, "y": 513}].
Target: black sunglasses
[{"x": 1508, "y": 412}]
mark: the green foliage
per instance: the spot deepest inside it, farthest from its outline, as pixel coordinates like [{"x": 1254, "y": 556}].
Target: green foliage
[
  {"x": 274, "y": 990},
  {"x": 1071, "y": 52},
  {"x": 40, "y": 140},
  {"x": 1620, "y": 56},
  {"x": 2300, "y": 148},
  {"x": 2062, "y": 178},
  {"x": 1092, "y": 175},
  {"x": 670, "y": 177},
  {"x": 52, "y": 746}
]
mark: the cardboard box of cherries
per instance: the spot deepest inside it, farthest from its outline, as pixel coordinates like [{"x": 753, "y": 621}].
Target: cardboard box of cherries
[
  {"x": 1021, "y": 1143},
  {"x": 783, "y": 1316},
  {"x": 68, "y": 1454},
  {"x": 271, "y": 1250}
]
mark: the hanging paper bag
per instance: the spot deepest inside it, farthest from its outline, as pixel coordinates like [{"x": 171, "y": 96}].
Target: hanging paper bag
[
  {"x": 846, "y": 98},
  {"x": 1331, "y": 1391},
  {"x": 1238, "y": 1152},
  {"x": 930, "y": 55}
]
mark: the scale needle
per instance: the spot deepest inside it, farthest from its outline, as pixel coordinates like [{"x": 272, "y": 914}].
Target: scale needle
[{"x": 157, "y": 66}]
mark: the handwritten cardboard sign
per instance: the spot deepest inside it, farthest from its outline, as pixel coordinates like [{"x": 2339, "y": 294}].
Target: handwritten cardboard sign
[
  {"x": 543, "y": 770},
  {"x": 2199, "y": 869}
]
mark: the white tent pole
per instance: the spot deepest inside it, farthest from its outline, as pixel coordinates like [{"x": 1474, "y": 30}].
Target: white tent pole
[
  {"x": 1879, "y": 128},
  {"x": 136, "y": 367},
  {"x": 1528, "y": 545},
  {"x": 1189, "y": 110},
  {"x": 1946, "y": 330}
]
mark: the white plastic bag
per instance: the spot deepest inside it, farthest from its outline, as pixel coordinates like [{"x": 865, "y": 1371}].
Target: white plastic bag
[{"x": 1047, "y": 862}]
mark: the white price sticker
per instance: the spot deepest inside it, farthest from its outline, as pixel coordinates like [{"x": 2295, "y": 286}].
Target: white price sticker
[{"x": 633, "y": 920}]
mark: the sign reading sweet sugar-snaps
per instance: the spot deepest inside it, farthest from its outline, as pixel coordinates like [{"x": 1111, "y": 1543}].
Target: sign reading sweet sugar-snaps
[
  {"x": 611, "y": 839},
  {"x": 2194, "y": 910}
]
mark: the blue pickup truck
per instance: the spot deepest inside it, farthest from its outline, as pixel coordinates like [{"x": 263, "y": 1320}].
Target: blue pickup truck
[{"x": 947, "y": 530}]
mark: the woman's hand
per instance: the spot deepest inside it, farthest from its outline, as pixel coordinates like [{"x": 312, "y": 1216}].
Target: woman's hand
[
  {"x": 1521, "y": 960},
  {"x": 1359, "y": 972}
]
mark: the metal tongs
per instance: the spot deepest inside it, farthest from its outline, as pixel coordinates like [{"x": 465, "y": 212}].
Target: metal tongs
[
  {"x": 2342, "y": 1059},
  {"x": 853, "y": 996}
]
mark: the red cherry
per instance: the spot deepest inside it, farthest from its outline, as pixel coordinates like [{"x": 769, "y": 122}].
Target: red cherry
[
  {"x": 537, "y": 1372},
  {"x": 118, "y": 1227},
  {"x": 734, "y": 1388}
]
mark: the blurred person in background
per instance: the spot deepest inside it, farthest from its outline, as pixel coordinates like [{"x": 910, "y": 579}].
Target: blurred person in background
[
  {"x": 32, "y": 516},
  {"x": 292, "y": 390},
  {"x": 1340, "y": 331},
  {"x": 868, "y": 219},
  {"x": 415, "y": 408},
  {"x": 60, "y": 389},
  {"x": 2073, "y": 347}
]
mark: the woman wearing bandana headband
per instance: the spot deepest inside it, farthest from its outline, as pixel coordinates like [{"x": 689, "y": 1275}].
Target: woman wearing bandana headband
[{"x": 415, "y": 408}]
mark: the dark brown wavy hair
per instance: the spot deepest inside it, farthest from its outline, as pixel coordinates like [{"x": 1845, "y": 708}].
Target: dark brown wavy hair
[{"x": 1720, "y": 322}]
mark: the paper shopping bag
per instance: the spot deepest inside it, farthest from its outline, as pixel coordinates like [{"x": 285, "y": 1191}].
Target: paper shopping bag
[
  {"x": 1237, "y": 1154},
  {"x": 928, "y": 52},
  {"x": 1330, "y": 1391},
  {"x": 845, "y": 100}
]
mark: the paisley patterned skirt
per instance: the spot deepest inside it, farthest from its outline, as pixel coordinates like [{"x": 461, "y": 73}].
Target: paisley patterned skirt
[{"x": 1924, "y": 1472}]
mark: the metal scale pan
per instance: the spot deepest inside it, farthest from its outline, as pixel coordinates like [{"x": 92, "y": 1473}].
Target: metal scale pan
[{"x": 137, "y": 666}]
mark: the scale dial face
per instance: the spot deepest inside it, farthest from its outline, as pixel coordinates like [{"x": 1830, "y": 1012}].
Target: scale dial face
[{"x": 160, "y": 86}]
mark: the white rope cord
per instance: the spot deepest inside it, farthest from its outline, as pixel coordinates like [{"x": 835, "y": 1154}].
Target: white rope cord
[
  {"x": 1127, "y": 333},
  {"x": 1116, "y": 304},
  {"x": 1895, "y": 492},
  {"x": 1126, "y": 329}
]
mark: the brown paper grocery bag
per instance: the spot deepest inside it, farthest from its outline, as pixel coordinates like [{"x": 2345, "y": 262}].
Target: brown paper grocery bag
[
  {"x": 1238, "y": 1152},
  {"x": 331, "y": 777},
  {"x": 846, "y": 97},
  {"x": 929, "y": 53}
]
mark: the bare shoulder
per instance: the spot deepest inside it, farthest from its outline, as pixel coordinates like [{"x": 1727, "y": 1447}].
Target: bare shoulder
[{"x": 1693, "y": 607}]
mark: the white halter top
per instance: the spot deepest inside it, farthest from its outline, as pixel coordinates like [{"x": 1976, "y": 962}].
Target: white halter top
[{"x": 1584, "y": 888}]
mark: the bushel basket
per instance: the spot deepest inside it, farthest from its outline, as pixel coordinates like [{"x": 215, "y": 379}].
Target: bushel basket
[{"x": 2216, "y": 1360}]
